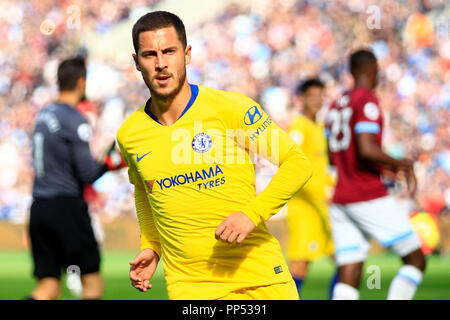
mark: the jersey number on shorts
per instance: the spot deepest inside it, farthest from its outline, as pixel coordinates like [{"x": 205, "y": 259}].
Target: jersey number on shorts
[
  {"x": 38, "y": 150},
  {"x": 340, "y": 131}
]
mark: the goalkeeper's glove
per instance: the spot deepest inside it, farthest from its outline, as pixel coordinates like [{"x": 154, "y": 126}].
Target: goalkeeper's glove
[{"x": 114, "y": 159}]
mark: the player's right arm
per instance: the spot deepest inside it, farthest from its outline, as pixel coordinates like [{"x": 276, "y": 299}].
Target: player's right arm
[{"x": 144, "y": 264}]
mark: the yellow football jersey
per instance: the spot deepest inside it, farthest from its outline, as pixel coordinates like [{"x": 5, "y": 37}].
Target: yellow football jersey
[
  {"x": 191, "y": 175},
  {"x": 307, "y": 211},
  {"x": 310, "y": 136}
]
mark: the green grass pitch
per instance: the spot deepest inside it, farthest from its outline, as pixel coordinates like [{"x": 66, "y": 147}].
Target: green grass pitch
[{"x": 16, "y": 279}]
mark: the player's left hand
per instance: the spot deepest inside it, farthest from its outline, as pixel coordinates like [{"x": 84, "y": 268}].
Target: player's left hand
[
  {"x": 235, "y": 227},
  {"x": 411, "y": 181},
  {"x": 389, "y": 172},
  {"x": 408, "y": 169}
]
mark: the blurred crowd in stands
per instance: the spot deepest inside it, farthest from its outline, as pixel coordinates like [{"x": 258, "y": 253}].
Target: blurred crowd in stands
[{"x": 262, "y": 48}]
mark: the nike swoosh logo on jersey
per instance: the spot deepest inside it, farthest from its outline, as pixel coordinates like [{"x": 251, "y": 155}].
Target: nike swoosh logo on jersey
[{"x": 140, "y": 158}]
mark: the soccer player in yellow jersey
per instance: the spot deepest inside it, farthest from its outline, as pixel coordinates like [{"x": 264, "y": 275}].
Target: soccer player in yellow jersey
[
  {"x": 188, "y": 150},
  {"x": 307, "y": 212}
]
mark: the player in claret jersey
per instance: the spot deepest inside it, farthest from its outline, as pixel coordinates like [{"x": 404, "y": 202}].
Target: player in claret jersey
[{"x": 362, "y": 208}]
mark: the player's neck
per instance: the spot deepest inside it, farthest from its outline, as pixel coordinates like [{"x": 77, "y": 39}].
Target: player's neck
[
  {"x": 310, "y": 115},
  {"x": 363, "y": 82},
  {"x": 68, "y": 97},
  {"x": 167, "y": 111}
]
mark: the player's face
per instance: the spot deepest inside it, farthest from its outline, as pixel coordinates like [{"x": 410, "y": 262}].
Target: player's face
[
  {"x": 312, "y": 100},
  {"x": 162, "y": 61}
]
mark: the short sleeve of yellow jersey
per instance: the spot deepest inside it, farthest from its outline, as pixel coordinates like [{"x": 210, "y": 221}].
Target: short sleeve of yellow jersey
[
  {"x": 149, "y": 233},
  {"x": 268, "y": 140}
]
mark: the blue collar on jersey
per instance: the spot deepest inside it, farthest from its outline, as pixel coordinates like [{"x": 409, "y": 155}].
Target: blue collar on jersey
[{"x": 194, "y": 94}]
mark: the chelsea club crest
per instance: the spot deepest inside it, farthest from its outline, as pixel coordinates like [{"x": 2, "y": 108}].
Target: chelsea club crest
[{"x": 201, "y": 143}]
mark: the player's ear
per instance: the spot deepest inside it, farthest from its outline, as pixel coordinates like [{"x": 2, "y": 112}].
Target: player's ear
[
  {"x": 187, "y": 54},
  {"x": 80, "y": 88},
  {"x": 136, "y": 62},
  {"x": 81, "y": 84}
]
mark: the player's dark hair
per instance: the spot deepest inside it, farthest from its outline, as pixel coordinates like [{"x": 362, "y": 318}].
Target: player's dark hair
[
  {"x": 158, "y": 20},
  {"x": 361, "y": 58},
  {"x": 308, "y": 83},
  {"x": 69, "y": 71}
]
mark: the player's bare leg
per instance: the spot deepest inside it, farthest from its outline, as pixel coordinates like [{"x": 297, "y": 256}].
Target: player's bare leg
[
  {"x": 405, "y": 283},
  {"x": 299, "y": 270},
  {"x": 349, "y": 280},
  {"x": 416, "y": 259},
  {"x": 334, "y": 280},
  {"x": 351, "y": 274},
  {"x": 47, "y": 289},
  {"x": 92, "y": 286}
]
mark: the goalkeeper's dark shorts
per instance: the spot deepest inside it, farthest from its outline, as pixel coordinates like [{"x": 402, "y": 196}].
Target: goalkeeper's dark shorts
[{"x": 61, "y": 236}]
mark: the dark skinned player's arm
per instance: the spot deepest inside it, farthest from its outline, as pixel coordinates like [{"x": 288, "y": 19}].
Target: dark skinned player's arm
[
  {"x": 369, "y": 149},
  {"x": 330, "y": 158}
]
